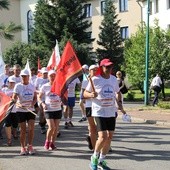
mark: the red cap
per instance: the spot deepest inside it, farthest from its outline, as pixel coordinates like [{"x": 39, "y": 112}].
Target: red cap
[{"x": 106, "y": 62}]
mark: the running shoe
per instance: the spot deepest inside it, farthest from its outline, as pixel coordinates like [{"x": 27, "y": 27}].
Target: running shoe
[
  {"x": 30, "y": 149},
  {"x": 23, "y": 152},
  {"x": 70, "y": 124},
  {"x": 47, "y": 145},
  {"x": 126, "y": 118},
  {"x": 82, "y": 119},
  {"x": 66, "y": 125},
  {"x": 88, "y": 139},
  {"x": 103, "y": 166},
  {"x": 93, "y": 163},
  {"x": 52, "y": 146}
]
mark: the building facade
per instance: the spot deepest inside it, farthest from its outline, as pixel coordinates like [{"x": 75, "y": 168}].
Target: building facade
[
  {"x": 128, "y": 12},
  {"x": 160, "y": 10}
]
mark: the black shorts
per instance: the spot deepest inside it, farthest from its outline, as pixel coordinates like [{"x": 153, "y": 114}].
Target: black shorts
[
  {"x": 25, "y": 116},
  {"x": 105, "y": 123},
  {"x": 88, "y": 111},
  {"x": 11, "y": 120},
  {"x": 53, "y": 115}
]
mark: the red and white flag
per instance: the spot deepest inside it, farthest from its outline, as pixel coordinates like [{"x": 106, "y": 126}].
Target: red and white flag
[
  {"x": 5, "y": 106},
  {"x": 55, "y": 58},
  {"x": 68, "y": 69}
]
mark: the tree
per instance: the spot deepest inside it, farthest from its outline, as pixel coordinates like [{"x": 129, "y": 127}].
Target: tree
[
  {"x": 20, "y": 52},
  {"x": 8, "y": 31},
  {"x": 63, "y": 20},
  {"x": 109, "y": 38},
  {"x": 159, "y": 55}
]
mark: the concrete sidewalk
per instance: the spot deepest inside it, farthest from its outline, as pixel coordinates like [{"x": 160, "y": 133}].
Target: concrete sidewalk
[{"x": 150, "y": 115}]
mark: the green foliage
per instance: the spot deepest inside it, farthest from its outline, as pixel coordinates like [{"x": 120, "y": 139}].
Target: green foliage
[
  {"x": 164, "y": 105},
  {"x": 20, "y": 52},
  {"x": 130, "y": 96},
  {"x": 159, "y": 55},
  {"x": 62, "y": 21},
  {"x": 109, "y": 38},
  {"x": 8, "y": 31},
  {"x": 4, "y": 4}
]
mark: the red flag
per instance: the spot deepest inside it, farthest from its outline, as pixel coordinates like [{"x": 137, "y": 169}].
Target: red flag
[
  {"x": 5, "y": 102},
  {"x": 68, "y": 69},
  {"x": 39, "y": 68}
]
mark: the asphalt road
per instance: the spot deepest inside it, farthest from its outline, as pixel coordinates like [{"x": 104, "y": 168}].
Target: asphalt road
[{"x": 136, "y": 146}]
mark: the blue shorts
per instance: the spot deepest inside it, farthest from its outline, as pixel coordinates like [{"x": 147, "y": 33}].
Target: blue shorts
[{"x": 71, "y": 101}]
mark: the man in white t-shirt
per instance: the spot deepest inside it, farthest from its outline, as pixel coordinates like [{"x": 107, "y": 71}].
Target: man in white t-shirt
[
  {"x": 4, "y": 76},
  {"x": 68, "y": 109},
  {"x": 156, "y": 86},
  {"x": 102, "y": 90}
]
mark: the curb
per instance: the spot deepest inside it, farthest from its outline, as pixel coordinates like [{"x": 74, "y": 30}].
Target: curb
[{"x": 147, "y": 121}]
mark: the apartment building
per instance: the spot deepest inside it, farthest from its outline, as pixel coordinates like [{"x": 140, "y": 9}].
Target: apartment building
[
  {"x": 159, "y": 9},
  {"x": 129, "y": 13}
]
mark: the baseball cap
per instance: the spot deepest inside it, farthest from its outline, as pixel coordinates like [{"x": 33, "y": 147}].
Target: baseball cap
[
  {"x": 44, "y": 70},
  {"x": 11, "y": 79},
  {"x": 93, "y": 66},
  {"x": 25, "y": 72},
  {"x": 85, "y": 66},
  {"x": 105, "y": 62},
  {"x": 51, "y": 72}
]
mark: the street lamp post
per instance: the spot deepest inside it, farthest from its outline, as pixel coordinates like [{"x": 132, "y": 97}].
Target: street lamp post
[{"x": 147, "y": 55}]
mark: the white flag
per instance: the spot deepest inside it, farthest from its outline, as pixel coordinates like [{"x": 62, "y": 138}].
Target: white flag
[
  {"x": 27, "y": 67},
  {"x": 2, "y": 64},
  {"x": 55, "y": 58}
]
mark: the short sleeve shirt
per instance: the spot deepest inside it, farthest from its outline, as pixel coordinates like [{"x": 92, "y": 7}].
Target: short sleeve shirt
[
  {"x": 52, "y": 100},
  {"x": 104, "y": 104},
  {"x": 25, "y": 95},
  {"x": 71, "y": 87}
]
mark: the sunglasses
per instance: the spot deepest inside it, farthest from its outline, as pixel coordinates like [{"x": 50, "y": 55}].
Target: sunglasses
[{"x": 108, "y": 67}]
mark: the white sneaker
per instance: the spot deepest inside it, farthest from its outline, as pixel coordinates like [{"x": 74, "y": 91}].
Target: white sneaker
[{"x": 126, "y": 118}]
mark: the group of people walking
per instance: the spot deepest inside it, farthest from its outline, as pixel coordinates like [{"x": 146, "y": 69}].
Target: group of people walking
[{"x": 100, "y": 99}]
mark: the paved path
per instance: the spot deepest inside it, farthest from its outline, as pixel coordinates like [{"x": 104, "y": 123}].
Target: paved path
[{"x": 136, "y": 145}]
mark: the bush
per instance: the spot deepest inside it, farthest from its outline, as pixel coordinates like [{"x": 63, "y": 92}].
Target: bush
[
  {"x": 164, "y": 105},
  {"x": 130, "y": 96}
]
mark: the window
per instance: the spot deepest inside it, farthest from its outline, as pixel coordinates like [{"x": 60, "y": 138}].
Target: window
[
  {"x": 123, "y": 5},
  {"x": 30, "y": 24},
  {"x": 124, "y": 31},
  {"x": 150, "y": 10},
  {"x": 156, "y": 6},
  {"x": 103, "y": 3},
  {"x": 88, "y": 10},
  {"x": 168, "y": 4}
]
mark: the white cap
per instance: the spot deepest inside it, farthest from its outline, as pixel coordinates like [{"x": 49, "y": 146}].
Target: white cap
[
  {"x": 11, "y": 79},
  {"x": 44, "y": 70},
  {"x": 25, "y": 72},
  {"x": 93, "y": 66},
  {"x": 51, "y": 72},
  {"x": 85, "y": 66}
]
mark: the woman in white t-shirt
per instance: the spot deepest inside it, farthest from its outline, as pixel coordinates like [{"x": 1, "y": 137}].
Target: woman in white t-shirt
[
  {"x": 92, "y": 137},
  {"x": 26, "y": 97},
  {"x": 11, "y": 122},
  {"x": 52, "y": 110}
]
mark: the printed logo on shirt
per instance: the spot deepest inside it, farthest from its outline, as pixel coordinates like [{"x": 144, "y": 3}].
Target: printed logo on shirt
[{"x": 107, "y": 91}]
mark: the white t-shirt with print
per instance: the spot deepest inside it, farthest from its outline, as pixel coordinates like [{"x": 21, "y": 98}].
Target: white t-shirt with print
[
  {"x": 52, "y": 100},
  {"x": 104, "y": 104},
  {"x": 88, "y": 102},
  {"x": 39, "y": 82},
  {"x": 71, "y": 87},
  {"x": 9, "y": 92},
  {"x": 25, "y": 95}
]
